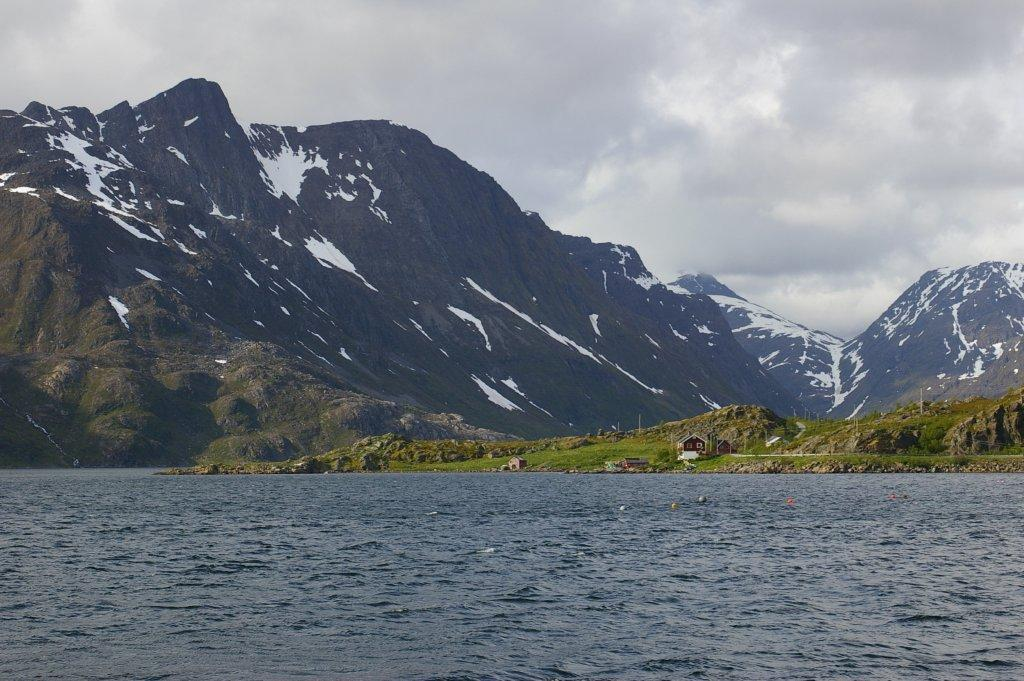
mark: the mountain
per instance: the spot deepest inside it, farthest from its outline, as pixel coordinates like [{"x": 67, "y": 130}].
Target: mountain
[
  {"x": 176, "y": 285},
  {"x": 955, "y": 333},
  {"x": 805, "y": 361},
  {"x": 719, "y": 367}
]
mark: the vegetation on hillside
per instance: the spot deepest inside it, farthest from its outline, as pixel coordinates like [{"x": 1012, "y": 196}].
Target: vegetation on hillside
[{"x": 974, "y": 435}]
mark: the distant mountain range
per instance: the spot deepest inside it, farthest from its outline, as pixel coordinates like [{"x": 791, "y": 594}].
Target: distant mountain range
[
  {"x": 956, "y": 332},
  {"x": 177, "y": 286}
]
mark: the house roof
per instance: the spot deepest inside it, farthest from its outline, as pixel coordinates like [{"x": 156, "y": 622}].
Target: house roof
[{"x": 692, "y": 436}]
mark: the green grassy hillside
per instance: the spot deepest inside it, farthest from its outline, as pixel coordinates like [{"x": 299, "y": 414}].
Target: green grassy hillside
[{"x": 974, "y": 435}]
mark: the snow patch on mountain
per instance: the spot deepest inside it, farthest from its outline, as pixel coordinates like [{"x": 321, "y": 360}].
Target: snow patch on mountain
[
  {"x": 135, "y": 232},
  {"x": 285, "y": 168},
  {"x": 277, "y": 235},
  {"x": 644, "y": 279},
  {"x": 328, "y": 255},
  {"x": 514, "y": 387},
  {"x": 148, "y": 275},
  {"x": 494, "y": 396},
  {"x": 564, "y": 340},
  {"x": 184, "y": 249},
  {"x": 95, "y": 169},
  {"x": 420, "y": 329},
  {"x": 121, "y": 309},
  {"x": 471, "y": 319},
  {"x": 216, "y": 212},
  {"x": 180, "y": 156}
]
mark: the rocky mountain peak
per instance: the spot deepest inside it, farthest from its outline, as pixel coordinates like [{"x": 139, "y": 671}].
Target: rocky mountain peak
[
  {"x": 944, "y": 289},
  {"x": 190, "y": 98},
  {"x": 703, "y": 283}
]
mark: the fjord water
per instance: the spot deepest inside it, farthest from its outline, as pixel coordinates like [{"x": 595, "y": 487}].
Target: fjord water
[{"x": 121, "y": 574}]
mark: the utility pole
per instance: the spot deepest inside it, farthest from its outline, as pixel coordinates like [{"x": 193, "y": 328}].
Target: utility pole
[
  {"x": 638, "y": 421},
  {"x": 921, "y": 402}
]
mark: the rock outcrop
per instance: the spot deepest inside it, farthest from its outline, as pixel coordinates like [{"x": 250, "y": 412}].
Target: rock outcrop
[{"x": 995, "y": 429}]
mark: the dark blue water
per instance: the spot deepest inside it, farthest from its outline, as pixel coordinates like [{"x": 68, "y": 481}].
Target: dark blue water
[{"x": 127, "y": 575}]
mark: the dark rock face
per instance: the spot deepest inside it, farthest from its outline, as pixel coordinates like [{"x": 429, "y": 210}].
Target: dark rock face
[
  {"x": 697, "y": 333},
  {"x": 174, "y": 284}
]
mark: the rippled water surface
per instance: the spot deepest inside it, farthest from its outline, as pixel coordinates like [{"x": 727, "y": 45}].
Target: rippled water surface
[{"x": 125, "y": 575}]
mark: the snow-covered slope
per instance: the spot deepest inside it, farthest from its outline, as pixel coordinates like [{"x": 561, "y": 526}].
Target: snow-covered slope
[
  {"x": 806, "y": 362},
  {"x": 956, "y": 332}
]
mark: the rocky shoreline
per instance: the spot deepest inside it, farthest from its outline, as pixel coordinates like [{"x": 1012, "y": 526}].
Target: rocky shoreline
[
  {"x": 766, "y": 466},
  {"x": 1007, "y": 464}
]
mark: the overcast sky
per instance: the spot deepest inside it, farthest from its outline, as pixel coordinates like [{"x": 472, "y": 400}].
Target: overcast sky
[{"x": 816, "y": 156}]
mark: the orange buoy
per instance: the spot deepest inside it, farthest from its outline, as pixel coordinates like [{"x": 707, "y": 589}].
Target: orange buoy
[{"x": 790, "y": 501}]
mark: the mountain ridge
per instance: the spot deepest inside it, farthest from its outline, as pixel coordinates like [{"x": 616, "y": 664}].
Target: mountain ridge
[
  {"x": 289, "y": 288},
  {"x": 954, "y": 333}
]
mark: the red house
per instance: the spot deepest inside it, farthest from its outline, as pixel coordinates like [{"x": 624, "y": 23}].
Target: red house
[
  {"x": 691, "y": 448},
  {"x": 694, "y": 443}
]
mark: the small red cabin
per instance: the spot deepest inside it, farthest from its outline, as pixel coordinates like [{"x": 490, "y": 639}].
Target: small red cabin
[
  {"x": 633, "y": 463},
  {"x": 694, "y": 443},
  {"x": 516, "y": 463},
  {"x": 725, "y": 447}
]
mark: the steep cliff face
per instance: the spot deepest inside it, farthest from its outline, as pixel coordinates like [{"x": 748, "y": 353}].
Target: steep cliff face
[{"x": 175, "y": 284}]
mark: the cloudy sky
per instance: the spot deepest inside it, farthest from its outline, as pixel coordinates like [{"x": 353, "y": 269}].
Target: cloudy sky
[{"x": 816, "y": 156}]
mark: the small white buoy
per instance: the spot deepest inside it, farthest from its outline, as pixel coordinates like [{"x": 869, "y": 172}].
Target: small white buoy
[
  {"x": 702, "y": 499},
  {"x": 622, "y": 508}
]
